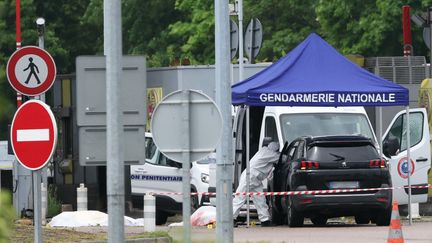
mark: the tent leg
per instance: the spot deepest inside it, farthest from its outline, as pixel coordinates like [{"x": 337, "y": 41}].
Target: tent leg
[
  {"x": 380, "y": 132},
  {"x": 409, "y": 163},
  {"x": 247, "y": 166}
]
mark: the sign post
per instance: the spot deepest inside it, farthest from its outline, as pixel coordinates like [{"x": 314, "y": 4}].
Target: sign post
[
  {"x": 31, "y": 71},
  {"x": 186, "y": 127},
  {"x": 34, "y": 138}
]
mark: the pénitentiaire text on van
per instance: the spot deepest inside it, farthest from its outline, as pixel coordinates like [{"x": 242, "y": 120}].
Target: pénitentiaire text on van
[{"x": 328, "y": 97}]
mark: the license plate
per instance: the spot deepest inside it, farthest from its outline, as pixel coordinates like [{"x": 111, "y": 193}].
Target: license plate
[{"x": 344, "y": 184}]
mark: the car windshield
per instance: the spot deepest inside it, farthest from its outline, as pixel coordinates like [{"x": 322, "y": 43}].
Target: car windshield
[{"x": 324, "y": 124}]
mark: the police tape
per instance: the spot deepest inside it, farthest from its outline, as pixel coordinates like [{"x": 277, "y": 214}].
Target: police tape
[{"x": 293, "y": 193}]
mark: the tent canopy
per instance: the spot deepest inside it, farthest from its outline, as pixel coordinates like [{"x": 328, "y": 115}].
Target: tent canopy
[{"x": 315, "y": 74}]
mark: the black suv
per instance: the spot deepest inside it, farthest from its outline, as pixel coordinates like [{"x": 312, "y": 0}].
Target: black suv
[{"x": 331, "y": 162}]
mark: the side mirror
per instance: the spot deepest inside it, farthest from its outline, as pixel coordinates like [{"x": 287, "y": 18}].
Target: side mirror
[{"x": 391, "y": 147}]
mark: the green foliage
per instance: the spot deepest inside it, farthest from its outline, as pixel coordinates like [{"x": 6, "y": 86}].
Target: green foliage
[
  {"x": 170, "y": 31},
  {"x": 7, "y": 217},
  {"x": 54, "y": 205}
]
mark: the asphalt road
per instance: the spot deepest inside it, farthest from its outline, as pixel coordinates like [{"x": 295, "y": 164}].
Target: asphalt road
[{"x": 335, "y": 232}]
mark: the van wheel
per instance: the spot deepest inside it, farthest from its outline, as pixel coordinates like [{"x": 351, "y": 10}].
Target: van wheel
[
  {"x": 194, "y": 203},
  {"x": 161, "y": 217},
  {"x": 294, "y": 217}
]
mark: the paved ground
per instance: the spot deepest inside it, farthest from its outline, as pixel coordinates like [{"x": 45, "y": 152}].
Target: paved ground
[{"x": 340, "y": 230}]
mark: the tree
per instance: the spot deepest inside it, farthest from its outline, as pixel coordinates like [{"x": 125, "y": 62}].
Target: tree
[
  {"x": 285, "y": 24},
  {"x": 369, "y": 27}
]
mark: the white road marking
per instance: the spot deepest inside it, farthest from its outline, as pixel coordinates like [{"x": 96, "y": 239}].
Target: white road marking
[{"x": 32, "y": 135}]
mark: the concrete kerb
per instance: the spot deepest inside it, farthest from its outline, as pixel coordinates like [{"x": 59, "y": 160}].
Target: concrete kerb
[{"x": 140, "y": 240}]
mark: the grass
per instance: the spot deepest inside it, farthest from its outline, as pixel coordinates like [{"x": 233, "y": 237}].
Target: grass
[
  {"x": 24, "y": 233},
  {"x": 430, "y": 183}
]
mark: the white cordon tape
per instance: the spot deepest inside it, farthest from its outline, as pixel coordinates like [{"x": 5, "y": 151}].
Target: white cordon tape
[{"x": 289, "y": 193}]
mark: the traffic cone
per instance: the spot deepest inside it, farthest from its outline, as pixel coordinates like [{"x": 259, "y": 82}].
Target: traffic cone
[{"x": 395, "y": 231}]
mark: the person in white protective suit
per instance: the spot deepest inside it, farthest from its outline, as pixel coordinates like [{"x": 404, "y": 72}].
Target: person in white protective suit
[{"x": 261, "y": 165}]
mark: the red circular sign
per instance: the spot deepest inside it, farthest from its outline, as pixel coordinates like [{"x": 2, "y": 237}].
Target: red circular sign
[
  {"x": 403, "y": 167},
  {"x": 33, "y": 134},
  {"x": 31, "y": 70}
]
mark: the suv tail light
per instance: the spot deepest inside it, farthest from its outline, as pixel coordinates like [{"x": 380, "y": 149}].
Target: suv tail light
[
  {"x": 377, "y": 163},
  {"x": 308, "y": 165}
]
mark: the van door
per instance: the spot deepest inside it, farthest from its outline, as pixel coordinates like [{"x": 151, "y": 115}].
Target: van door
[
  {"x": 158, "y": 174},
  {"x": 420, "y": 155}
]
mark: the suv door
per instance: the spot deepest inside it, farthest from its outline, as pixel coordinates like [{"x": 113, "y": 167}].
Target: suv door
[
  {"x": 158, "y": 174},
  {"x": 420, "y": 155}
]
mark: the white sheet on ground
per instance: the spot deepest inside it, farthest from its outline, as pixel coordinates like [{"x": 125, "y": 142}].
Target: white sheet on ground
[{"x": 85, "y": 218}]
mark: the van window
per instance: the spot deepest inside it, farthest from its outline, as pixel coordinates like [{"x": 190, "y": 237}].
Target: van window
[
  {"x": 322, "y": 124},
  {"x": 398, "y": 130},
  {"x": 150, "y": 148},
  {"x": 270, "y": 128}
]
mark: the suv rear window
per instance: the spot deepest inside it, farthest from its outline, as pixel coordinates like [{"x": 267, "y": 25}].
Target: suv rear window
[{"x": 338, "y": 153}]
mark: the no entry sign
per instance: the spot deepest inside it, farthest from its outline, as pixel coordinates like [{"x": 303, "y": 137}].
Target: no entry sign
[
  {"x": 34, "y": 134},
  {"x": 31, "y": 70}
]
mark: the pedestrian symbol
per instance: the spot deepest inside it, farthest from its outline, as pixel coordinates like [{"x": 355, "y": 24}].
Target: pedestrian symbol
[{"x": 32, "y": 68}]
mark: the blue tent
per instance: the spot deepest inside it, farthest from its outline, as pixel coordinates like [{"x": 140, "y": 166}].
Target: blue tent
[{"x": 315, "y": 74}]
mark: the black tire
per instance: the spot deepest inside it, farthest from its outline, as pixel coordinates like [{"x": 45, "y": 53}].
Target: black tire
[
  {"x": 362, "y": 219},
  {"x": 319, "y": 220},
  {"x": 161, "y": 217},
  {"x": 294, "y": 217},
  {"x": 383, "y": 218},
  {"x": 277, "y": 217},
  {"x": 194, "y": 203}
]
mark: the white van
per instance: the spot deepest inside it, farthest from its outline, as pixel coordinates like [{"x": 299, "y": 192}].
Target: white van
[
  {"x": 160, "y": 174},
  {"x": 283, "y": 123}
]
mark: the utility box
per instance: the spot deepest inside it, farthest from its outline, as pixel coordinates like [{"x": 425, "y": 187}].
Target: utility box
[
  {"x": 91, "y": 87},
  {"x": 91, "y": 109},
  {"x": 92, "y": 145}
]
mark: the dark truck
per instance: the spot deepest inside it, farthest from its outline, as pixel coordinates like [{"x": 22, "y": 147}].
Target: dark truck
[{"x": 331, "y": 162}]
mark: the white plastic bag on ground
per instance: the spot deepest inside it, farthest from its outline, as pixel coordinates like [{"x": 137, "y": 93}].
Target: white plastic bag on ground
[
  {"x": 203, "y": 216},
  {"x": 84, "y": 218}
]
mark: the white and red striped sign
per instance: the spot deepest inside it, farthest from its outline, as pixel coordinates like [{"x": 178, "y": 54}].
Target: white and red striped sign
[{"x": 34, "y": 134}]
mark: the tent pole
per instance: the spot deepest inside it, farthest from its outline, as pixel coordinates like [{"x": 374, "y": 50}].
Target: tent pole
[
  {"x": 247, "y": 165},
  {"x": 409, "y": 163},
  {"x": 380, "y": 132}
]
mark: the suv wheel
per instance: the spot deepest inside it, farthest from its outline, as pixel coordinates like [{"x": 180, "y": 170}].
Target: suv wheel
[
  {"x": 383, "y": 217},
  {"x": 277, "y": 218},
  {"x": 319, "y": 220},
  {"x": 294, "y": 217},
  {"x": 161, "y": 217},
  {"x": 362, "y": 219}
]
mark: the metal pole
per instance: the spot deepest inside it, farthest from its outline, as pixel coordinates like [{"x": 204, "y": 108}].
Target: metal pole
[
  {"x": 186, "y": 167},
  {"x": 241, "y": 48},
  {"x": 430, "y": 40},
  {"x": 37, "y": 219},
  {"x": 247, "y": 166},
  {"x": 251, "y": 43},
  {"x": 224, "y": 169},
  {"x": 115, "y": 164},
  {"x": 380, "y": 133},
  {"x": 40, "y": 22},
  {"x": 409, "y": 163}
]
